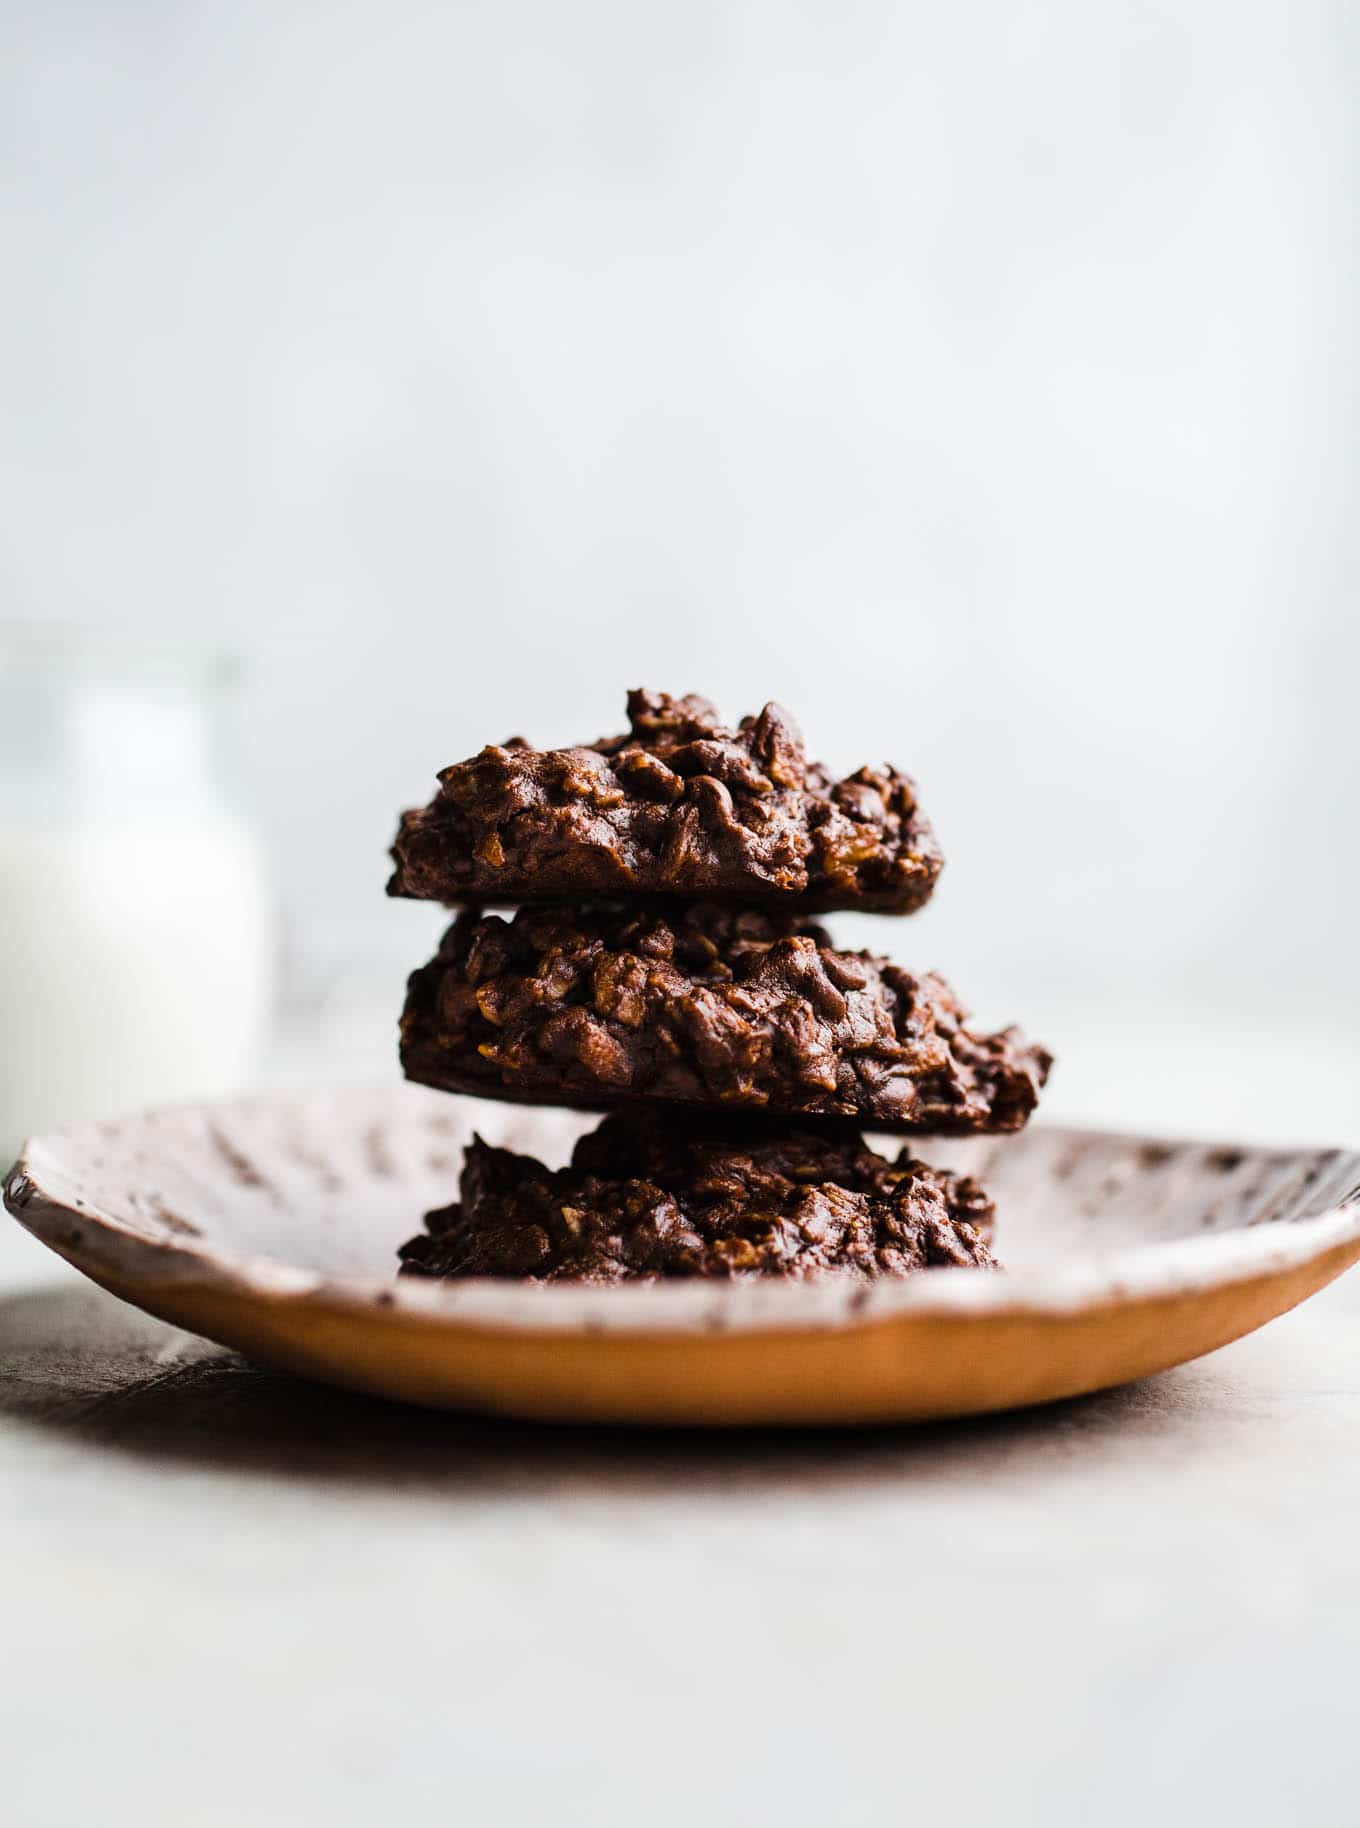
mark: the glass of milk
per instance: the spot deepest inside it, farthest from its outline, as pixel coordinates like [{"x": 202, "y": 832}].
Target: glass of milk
[{"x": 136, "y": 933}]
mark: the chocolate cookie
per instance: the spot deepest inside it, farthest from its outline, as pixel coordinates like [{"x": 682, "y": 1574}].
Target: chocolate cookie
[
  {"x": 680, "y": 806},
  {"x": 652, "y": 1194},
  {"x": 705, "y": 1005}
]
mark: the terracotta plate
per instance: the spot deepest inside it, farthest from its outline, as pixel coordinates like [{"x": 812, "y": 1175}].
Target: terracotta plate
[{"x": 271, "y": 1225}]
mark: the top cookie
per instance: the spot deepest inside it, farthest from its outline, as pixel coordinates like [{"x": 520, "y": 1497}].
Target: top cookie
[{"x": 680, "y": 806}]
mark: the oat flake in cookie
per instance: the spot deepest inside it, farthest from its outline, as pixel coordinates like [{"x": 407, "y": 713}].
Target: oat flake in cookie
[
  {"x": 705, "y": 1006},
  {"x": 681, "y": 806},
  {"x": 657, "y": 1195}
]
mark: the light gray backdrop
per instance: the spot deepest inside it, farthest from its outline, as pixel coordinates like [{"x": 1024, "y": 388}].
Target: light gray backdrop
[{"x": 979, "y": 380}]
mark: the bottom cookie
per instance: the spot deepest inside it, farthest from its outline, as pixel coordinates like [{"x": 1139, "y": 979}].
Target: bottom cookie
[{"x": 648, "y": 1195}]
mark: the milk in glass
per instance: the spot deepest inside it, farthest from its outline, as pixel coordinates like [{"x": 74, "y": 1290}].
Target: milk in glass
[{"x": 136, "y": 938}]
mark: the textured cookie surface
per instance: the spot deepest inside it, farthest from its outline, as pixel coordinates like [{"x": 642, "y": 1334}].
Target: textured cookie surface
[
  {"x": 654, "y": 1195},
  {"x": 724, "y": 1008},
  {"x": 680, "y": 806}
]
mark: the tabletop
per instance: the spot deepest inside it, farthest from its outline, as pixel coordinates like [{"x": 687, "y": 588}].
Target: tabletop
[{"x": 228, "y": 1596}]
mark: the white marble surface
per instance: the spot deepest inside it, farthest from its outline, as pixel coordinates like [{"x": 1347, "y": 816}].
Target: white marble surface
[{"x": 227, "y": 1597}]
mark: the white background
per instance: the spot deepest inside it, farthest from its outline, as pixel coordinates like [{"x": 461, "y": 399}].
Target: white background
[{"x": 978, "y": 380}]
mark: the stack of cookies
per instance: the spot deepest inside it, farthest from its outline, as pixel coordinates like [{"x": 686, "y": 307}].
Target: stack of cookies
[{"x": 662, "y": 963}]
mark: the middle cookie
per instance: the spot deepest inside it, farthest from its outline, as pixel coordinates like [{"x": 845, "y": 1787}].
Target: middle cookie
[{"x": 706, "y": 1005}]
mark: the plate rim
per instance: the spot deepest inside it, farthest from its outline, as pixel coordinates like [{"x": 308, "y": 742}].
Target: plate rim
[{"x": 95, "y": 1241}]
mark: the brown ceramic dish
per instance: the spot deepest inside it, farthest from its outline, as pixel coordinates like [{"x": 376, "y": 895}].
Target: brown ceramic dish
[{"x": 273, "y": 1224}]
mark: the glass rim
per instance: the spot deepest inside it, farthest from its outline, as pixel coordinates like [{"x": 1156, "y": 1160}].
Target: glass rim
[{"x": 78, "y": 650}]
